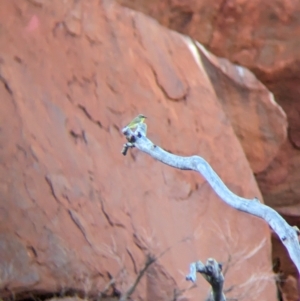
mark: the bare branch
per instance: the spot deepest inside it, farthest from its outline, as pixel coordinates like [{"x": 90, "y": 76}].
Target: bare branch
[
  {"x": 212, "y": 272},
  {"x": 286, "y": 233},
  {"x": 150, "y": 259}
]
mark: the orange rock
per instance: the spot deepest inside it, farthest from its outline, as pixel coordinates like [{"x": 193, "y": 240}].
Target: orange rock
[
  {"x": 74, "y": 211},
  {"x": 258, "y": 121},
  {"x": 264, "y": 38}
]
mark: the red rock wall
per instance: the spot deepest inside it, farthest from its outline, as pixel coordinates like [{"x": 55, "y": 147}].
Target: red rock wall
[
  {"x": 263, "y": 36},
  {"x": 74, "y": 211}
]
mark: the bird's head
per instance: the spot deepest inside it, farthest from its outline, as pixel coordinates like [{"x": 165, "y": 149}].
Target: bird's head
[{"x": 142, "y": 117}]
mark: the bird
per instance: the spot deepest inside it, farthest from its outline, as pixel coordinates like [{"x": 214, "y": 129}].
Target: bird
[{"x": 136, "y": 121}]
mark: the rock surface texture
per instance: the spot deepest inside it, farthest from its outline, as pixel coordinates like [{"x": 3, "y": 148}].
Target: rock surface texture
[
  {"x": 75, "y": 213},
  {"x": 265, "y": 37}
]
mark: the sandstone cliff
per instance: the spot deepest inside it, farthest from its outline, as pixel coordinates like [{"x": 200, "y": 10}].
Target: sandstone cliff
[
  {"x": 74, "y": 212},
  {"x": 264, "y": 37}
]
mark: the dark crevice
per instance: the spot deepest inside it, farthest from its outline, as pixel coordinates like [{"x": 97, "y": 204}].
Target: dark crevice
[
  {"x": 81, "y": 136},
  {"x": 49, "y": 182},
  {"x": 132, "y": 260},
  {"x": 42, "y": 295},
  {"x": 107, "y": 217},
  {"x": 64, "y": 293},
  {"x": 6, "y": 85},
  {"x": 89, "y": 116},
  {"x": 76, "y": 219},
  {"x": 165, "y": 93}
]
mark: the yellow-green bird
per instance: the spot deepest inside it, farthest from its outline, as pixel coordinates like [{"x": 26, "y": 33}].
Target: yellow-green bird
[{"x": 136, "y": 121}]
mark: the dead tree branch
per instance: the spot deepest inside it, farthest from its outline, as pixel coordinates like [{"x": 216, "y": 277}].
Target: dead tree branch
[
  {"x": 212, "y": 273},
  {"x": 286, "y": 233},
  {"x": 149, "y": 260}
]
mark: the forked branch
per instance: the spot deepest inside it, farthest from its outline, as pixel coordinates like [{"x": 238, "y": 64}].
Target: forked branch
[{"x": 212, "y": 272}]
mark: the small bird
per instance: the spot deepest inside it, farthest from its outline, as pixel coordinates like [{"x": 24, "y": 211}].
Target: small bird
[{"x": 136, "y": 121}]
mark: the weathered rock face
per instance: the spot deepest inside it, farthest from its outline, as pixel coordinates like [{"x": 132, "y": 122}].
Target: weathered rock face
[
  {"x": 258, "y": 121},
  {"x": 265, "y": 38},
  {"x": 76, "y": 213}
]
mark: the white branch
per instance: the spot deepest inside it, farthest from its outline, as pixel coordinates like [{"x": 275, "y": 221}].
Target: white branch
[
  {"x": 212, "y": 273},
  {"x": 286, "y": 233}
]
